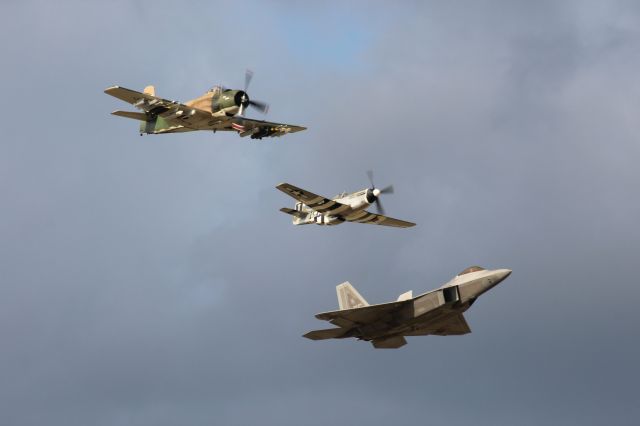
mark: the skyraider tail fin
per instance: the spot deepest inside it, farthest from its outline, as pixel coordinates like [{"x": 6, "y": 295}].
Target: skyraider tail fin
[
  {"x": 148, "y": 126},
  {"x": 348, "y": 297}
]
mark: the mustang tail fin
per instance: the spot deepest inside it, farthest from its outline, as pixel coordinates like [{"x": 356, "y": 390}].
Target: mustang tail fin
[{"x": 348, "y": 297}]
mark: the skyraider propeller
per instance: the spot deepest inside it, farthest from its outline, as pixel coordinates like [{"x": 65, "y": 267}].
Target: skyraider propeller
[
  {"x": 312, "y": 208},
  {"x": 220, "y": 109},
  {"x": 244, "y": 101}
]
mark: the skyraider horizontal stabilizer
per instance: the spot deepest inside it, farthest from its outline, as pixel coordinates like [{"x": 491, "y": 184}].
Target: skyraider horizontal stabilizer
[{"x": 438, "y": 312}]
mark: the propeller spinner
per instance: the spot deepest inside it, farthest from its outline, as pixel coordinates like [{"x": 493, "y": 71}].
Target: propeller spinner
[
  {"x": 243, "y": 99},
  {"x": 373, "y": 193}
]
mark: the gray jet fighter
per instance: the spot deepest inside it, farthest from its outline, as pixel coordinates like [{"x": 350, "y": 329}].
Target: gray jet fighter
[
  {"x": 349, "y": 207},
  {"x": 437, "y": 312}
]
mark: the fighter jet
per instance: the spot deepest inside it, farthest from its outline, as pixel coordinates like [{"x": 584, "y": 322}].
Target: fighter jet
[
  {"x": 220, "y": 109},
  {"x": 438, "y": 312},
  {"x": 312, "y": 208}
]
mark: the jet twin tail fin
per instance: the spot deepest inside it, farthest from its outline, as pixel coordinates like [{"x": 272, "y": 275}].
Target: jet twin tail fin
[{"x": 348, "y": 297}]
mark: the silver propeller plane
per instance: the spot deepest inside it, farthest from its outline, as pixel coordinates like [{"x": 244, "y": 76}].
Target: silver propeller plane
[
  {"x": 345, "y": 207},
  {"x": 438, "y": 312}
]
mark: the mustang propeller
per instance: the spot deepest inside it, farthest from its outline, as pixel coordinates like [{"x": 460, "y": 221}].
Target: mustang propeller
[
  {"x": 373, "y": 193},
  {"x": 244, "y": 100}
]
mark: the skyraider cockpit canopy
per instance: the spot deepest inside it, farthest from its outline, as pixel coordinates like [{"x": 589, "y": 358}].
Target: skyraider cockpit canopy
[
  {"x": 472, "y": 269},
  {"x": 216, "y": 90}
]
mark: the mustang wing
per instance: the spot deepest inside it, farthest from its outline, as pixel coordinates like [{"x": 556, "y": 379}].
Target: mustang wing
[
  {"x": 378, "y": 219},
  {"x": 172, "y": 111},
  {"x": 313, "y": 201},
  {"x": 259, "y": 128}
]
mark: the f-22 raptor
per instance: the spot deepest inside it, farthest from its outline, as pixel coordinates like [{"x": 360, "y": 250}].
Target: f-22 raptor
[{"x": 438, "y": 312}]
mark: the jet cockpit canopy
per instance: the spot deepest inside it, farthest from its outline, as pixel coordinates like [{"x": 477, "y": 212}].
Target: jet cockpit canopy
[{"x": 472, "y": 269}]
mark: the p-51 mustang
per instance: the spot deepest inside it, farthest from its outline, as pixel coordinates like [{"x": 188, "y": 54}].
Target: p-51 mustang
[
  {"x": 219, "y": 109},
  {"x": 438, "y": 312},
  {"x": 312, "y": 208}
]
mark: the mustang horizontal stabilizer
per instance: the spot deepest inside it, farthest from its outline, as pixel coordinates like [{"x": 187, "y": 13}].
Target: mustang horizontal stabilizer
[{"x": 293, "y": 212}]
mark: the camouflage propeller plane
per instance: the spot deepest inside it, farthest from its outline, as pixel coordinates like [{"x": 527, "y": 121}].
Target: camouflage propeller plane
[
  {"x": 220, "y": 109},
  {"x": 438, "y": 312},
  {"x": 312, "y": 208}
]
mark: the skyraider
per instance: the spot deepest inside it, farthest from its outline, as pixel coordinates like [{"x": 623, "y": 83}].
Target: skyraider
[
  {"x": 438, "y": 312},
  {"x": 220, "y": 109}
]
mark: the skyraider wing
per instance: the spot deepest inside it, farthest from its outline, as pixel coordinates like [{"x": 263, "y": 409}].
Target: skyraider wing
[
  {"x": 378, "y": 219},
  {"x": 313, "y": 201},
  {"x": 171, "y": 111},
  {"x": 249, "y": 126}
]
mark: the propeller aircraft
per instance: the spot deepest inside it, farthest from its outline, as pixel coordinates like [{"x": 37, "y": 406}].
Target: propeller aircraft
[
  {"x": 312, "y": 208},
  {"x": 220, "y": 109}
]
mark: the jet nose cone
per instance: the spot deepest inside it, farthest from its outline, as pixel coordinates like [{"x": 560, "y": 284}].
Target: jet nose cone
[{"x": 502, "y": 274}]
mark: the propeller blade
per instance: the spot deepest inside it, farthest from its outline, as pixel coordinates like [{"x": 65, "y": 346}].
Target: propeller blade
[
  {"x": 263, "y": 107},
  {"x": 370, "y": 176},
  {"x": 379, "y": 207},
  {"x": 387, "y": 190},
  {"x": 248, "y": 75}
]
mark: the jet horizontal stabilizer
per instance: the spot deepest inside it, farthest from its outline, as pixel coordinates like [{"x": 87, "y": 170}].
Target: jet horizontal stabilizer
[
  {"x": 390, "y": 343},
  {"x": 329, "y": 333}
]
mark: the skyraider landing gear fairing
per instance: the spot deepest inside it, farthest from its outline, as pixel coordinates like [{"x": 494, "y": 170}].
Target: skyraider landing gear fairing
[
  {"x": 312, "y": 208},
  {"x": 438, "y": 312},
  {"x": 220, "y": 109}
]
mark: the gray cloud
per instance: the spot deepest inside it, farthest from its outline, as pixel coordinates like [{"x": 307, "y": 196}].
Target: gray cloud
[{"x": 153, "y": 281}]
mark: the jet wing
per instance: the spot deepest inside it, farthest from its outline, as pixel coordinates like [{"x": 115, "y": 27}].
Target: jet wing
[
  {"x": 451, "y": 325},
  {"x": 378, "y": 219},
  {"x": 315, "y": 202},
  {"x": 364, "y": 315},
  {"x": 260, "y": 128},
  {"x": 171, "y": 111}
]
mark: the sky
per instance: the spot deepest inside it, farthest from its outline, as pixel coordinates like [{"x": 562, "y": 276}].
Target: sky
[{"x": 153, "y": 281}]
